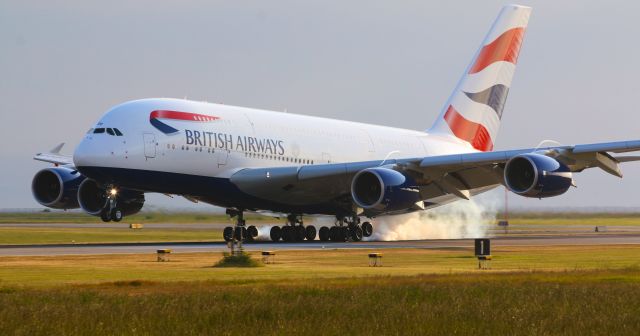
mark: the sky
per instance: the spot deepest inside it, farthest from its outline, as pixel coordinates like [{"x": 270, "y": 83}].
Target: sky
[{"x": 64, "y": 63}]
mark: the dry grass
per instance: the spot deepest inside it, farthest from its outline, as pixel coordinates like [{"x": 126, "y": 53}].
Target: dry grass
[{"x": 602, "y": 302}]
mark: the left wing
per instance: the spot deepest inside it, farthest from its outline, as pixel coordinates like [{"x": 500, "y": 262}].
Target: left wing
[
  {"x": 441, "y": 179},
  {"x": 54, "y": 156}
]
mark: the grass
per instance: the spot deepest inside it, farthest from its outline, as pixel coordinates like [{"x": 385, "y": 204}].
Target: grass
[
  {"x": 568, "y": 303},
  {"x": 87, "y": 234},
  {"x": 573, "y": 219},
  {"x": 142, "y": 217},
  {"x": 243, "y": 259},
  {"x": 46, "y": 271},
  {"x": 559, "y": 290}
]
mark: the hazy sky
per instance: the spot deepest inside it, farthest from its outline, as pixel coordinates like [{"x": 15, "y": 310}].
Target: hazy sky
[{"x": 63, "y": 63}]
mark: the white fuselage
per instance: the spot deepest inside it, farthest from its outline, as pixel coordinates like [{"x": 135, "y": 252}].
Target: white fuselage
[{"x": 244, "y": 138}]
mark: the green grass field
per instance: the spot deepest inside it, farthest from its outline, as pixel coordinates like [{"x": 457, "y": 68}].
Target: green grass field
[
  {"x": 142, "y": 217},
  {"x": 84, "y": 234},
  {"x": 525, "y": 218},
  {"x": 560, "y": 291},
  {"x": 567, "y": 303}
]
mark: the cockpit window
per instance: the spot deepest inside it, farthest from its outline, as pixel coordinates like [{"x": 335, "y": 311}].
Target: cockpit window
[
  {"x": 98, "y": 131},
  {"x": 110, "y": 131},
  {"x": 90, "y": 131},
  {"x": 118, "y": 133}
]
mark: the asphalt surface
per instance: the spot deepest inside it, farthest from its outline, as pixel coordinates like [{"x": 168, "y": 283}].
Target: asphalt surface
[{"x": 501, "y": 241}]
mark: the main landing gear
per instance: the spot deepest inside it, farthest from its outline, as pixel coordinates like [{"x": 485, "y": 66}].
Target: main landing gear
[
  {"x": 111, "y": 211},
  {"x": 294, "y": 231},
  {"x": 240, "y": 232},
  {"x": 346, "y": 229}
]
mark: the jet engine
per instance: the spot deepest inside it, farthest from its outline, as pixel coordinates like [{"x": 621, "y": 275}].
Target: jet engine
[
  {"x": 93, "y": 198},
  {"x": 384, "y": 190},
  {"x": 57, "y": 187},
  {"x": 536, "y": 175}
]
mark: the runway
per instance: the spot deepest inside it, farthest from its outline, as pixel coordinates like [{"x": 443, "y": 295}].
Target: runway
[{"x": 189, "y": 247}]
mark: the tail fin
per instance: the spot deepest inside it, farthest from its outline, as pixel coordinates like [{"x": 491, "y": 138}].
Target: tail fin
[{"x": 474, "y": 110}]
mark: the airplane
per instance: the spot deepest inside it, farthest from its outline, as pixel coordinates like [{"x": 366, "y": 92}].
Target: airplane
[{"x": 251, "y": 160}]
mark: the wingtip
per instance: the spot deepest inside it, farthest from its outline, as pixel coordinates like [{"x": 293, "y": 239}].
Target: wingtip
[{"x": 57, "y": 149}]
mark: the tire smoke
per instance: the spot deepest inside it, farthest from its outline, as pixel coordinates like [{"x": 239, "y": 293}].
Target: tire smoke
[{"x": 461, "y": 219}]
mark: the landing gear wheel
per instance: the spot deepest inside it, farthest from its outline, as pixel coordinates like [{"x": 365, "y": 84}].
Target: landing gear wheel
[
  {"x": 105, "y": 216},
  {"x": 324, "y": 233},
  {"x": 344, "y": 234},
  {"x": 275, "y": 233},
  {"x": 252, "y": 232},
  {"x": 356, "y": 234},
  {"x": 367, "y": 229},
  {"x": 301, "y": 233},
  {"x": 227, "y": 234},
  {"x": 241, "y": 232},
  {"x": 310, "y": 232},
  {"x": 116, "y": 215},
  {"x": 287, "y": 233},
  {"x": 334, "y": 231}
]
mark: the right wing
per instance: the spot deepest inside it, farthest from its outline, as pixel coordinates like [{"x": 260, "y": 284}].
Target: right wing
[{"x": 441, "y": 179}]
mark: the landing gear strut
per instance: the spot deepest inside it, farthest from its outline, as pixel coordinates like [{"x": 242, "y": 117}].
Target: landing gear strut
[
  {"x": 111, "y": 211},
  {"x": 293, "y": 231}
]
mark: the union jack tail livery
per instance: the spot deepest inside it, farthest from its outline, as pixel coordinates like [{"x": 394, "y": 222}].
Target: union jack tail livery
[{"x": 474, "y": 110}]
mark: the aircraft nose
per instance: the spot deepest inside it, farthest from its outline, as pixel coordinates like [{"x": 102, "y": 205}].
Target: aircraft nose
[{"x": 86, "y": 153}]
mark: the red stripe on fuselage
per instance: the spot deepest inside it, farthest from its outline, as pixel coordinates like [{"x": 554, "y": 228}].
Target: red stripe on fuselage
[
  {"x": 474, "y": 133},
  {"x": 505, "y": 48},
  {"x": 176, "y": 115}
]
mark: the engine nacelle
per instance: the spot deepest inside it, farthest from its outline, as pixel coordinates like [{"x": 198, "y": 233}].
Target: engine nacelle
[
  {"x": 536, "y": 175},
  {"x": 57, "y": 187},
  {"x": 384, "y": 190},
  {"x": 92, "y": 198}
]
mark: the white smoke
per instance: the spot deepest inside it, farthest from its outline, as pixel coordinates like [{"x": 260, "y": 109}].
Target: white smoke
[
  {"x": 264, "y": 232},
  {"x": 461, "y": 219}
]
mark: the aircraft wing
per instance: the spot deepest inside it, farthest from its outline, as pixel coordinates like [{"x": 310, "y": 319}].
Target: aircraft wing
[
  {"x": 54, "y": 156},
  {"x": 441, "y": 178}
]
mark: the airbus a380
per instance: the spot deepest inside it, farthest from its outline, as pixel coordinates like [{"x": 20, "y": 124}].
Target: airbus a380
[{"x": 253, "y": 160}]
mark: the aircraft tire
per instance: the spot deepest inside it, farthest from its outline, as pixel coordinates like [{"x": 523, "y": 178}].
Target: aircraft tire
[
  {"x": 310, "y": 232},
  {"x": 227, "y": 233},
  {"x": 367, "y": 229},
  {"x": 300, "y": 233},
  {"x": 275, "y": 233},
  {"x": 356, "y": 233},
  {"x": 116, "y": 214},
  {"x": 105, "y": 216},
  {"x": 324, "y": 233},
  {"x": 252, "y": 232},
  {"x": 286, "y": 233},
  {"x": 333, "y": 233},
  {"x": 344, "y": 234}
]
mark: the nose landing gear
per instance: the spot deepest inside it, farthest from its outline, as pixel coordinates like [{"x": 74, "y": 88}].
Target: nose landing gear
[{"x": 111, "y": 211}]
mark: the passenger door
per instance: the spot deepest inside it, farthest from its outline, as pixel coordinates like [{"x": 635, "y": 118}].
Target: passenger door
[{"x": 149, "y": 145}]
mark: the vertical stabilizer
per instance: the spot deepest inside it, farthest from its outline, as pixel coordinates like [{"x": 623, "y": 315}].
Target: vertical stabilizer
[{"x": 474, "y": 110}]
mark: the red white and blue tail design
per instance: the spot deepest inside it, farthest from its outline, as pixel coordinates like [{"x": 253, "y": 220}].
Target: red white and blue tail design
[{"x": 474, "y": 110}]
